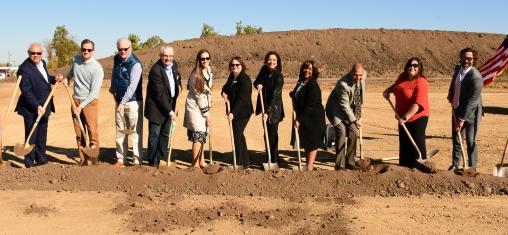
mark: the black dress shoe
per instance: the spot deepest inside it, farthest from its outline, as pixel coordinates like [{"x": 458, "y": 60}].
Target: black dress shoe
[
  {"x": 453, "y": 168},
  {"x": 352, "y": 167}
]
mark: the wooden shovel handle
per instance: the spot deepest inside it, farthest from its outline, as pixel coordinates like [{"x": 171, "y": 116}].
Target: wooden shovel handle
[
  {"x": 11, "y": 102},
  {"x": 40, "y": 116},
  {"x": 228, "y": 111},
  {"x": 264, "y": 128},
  {"x": 407, "y": 131},
  {"x": 73, "y": 104}
]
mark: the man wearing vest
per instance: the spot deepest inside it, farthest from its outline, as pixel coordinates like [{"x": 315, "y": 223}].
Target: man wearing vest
[
  {"x": 88, "y": 75},
  {"x": 126, "y": 87}
]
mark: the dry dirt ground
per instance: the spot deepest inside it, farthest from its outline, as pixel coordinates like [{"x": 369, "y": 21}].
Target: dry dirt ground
[{"x": 63, "y": 198}]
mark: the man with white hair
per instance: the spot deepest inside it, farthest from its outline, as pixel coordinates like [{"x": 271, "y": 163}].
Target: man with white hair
[
  {"x": 35, "y": 88},
  {"x": 126, "y": 87},
  {"x": 163, "y": 87}
]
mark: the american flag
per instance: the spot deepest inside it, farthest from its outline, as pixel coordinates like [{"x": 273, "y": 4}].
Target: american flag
[{"x": 496, "y": 65}]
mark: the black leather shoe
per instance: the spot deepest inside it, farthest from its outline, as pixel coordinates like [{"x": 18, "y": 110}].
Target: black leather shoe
[
  {"x": 453, "y": 168},
  {"x": 352, "y": 167}
]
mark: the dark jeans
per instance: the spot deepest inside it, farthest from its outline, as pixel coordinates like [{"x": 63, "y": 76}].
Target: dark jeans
[
  {"x": 273, "y": 138},
  {"x": 345, "y": 157},
  {"x": 158, "y": 136},
  {"x": 408, "y": 155},
  {"x": 469, "y": 129},
  {"x": 39, "y": 137},
  {"x": 242, "y": 155}
]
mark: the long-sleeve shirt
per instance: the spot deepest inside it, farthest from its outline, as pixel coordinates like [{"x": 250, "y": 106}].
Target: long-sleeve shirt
[
  {"x": 88, "y": 76},
  {"x": 133, "y": 83}
]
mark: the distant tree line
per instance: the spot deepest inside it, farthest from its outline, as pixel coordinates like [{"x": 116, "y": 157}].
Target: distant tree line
[
  {"x": 209, "y": 31},
  {"x": 63, "y": 47}
]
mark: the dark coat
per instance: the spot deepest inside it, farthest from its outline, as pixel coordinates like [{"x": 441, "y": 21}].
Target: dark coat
[
  {"x": 239, "y": 93},
  {"x": 34, "y": 90},
  {"x": 159, "y": 102},
  {"x": 272, "y": 82},
  {"x": 310, "y": 114},
  {"x": 470, "y": 101}
]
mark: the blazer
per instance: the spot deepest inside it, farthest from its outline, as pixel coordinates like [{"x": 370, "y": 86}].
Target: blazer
[
  {"x": 239, "y": 93},
  {"x": 340, "y": 103},
  {"x": 470, "y": 100},
  {"x": 309, "y": 109},
  {"x": 159, "y": 103},
  {"x": 34, "y": 89},
  {"x": 272, "y": 82}
]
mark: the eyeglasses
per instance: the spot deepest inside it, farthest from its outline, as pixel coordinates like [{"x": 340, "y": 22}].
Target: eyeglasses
[
  {"x": 35, "y": 53},
  {"x": 235, "y": 65},
  {"x": 85, "y": 49},
  {"x": 414, "y": 65},
  {"x": 204, "y": 58},
  {"x": 124, "y": 49},
  {"x": 468, "y": 58}
]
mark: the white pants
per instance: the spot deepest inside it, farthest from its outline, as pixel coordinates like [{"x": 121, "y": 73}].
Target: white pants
[{"x": 133, "y": 114}]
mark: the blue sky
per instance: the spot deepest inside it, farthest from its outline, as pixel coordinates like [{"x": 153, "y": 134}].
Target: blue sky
[{"x": 107, "y": 20}]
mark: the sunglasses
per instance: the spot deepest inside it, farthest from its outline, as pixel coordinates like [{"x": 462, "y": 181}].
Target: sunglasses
[
  {"x": 468, "y": 58},
  {"x": 124, "y": 49},
  {"x": 235, "y": 65},
  {"x": 35, "y": 53},
  {"x": 85, "y": 49},
  {"x": 414, "y": 65},
  {"x": 204, "y": 58}
]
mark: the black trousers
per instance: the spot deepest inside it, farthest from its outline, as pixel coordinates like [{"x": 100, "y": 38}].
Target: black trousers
[
  {"x": 38, "y": 155},
  {"x": 158, "y": 136},
  {"x": 242, "y": 154},
  {"x": 408, "y": 155},
  {"x": 273, "y": 138}
]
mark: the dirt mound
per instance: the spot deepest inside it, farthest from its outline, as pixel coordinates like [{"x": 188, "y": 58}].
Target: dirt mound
[
  {"x": 383, "y": 51},
  {"x": 154, "y": 194}
]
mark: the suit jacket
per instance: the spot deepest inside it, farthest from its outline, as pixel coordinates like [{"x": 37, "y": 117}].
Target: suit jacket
[
  {"x": 309, "y": 109},
  {"x": 340, "y": 103},
  {"x": 470, "y": 100},
  {"x": 34, "y": 89},
  {"x": 239, "y": 93},
  {"x": 159, "y": 102},
  {"x": 272, "y": 82}
]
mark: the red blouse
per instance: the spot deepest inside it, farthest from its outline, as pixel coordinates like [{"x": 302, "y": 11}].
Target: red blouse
[{"x": 409, "y": 92}]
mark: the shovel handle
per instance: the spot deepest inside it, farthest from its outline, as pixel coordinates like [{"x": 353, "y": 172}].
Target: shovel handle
[
  {"x": 228, "y": 111},
  {"x": 464, "y": 158},
  {"x": 10, "y": 105},
  {"x": 407, "y": 131},
  {"x": 297, "y": 135},
  {"x": 361, "y": 142},
  {"x": 73, "y": 105},
  {"x": 40, "y": 116},
  {"x": 504, "y": 153},
  {"x": 172, "y": 130},
  {"x": 264, "y": 129}
]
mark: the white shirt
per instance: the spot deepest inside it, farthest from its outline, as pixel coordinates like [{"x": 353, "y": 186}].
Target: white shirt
[
  {"x": 458, "y": 81},
  {"x": 169, "y": 73},
  {"x": 41, "y": 69}
]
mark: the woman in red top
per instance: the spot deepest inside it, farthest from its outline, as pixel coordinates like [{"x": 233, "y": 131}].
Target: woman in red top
[{"x": 411, "y": 92}]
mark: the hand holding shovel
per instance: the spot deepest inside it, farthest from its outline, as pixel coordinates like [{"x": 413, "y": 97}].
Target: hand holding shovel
[{"x": 6, "y": 116}]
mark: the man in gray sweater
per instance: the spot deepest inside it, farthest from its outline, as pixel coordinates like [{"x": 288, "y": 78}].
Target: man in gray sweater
[{"x": 87, "y": 74}]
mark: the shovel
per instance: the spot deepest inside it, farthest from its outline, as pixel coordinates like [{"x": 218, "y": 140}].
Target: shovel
[
  {"x": 125, "y": 131},
  {"x": 430, "y": 154},
  {"x": 86, "y": 150},
  {"x": 363, "y": 162},
  {"x": 228, "y": 110},
  {"x": 297, "y": 136},
  {"x": 6, "y": 116},
  {"x": 172, "y": 130},
  {"x": 429, "y": 165},
  {"x": 501, "y": 171},
  {"x": 22, "y": 149},
  {"x": 466, "y": 171},
  {"x": 210, "y": 150},
  {"x": 269, "y": 165}
]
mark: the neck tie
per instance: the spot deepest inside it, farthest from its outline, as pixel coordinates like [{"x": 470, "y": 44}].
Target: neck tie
[{"x": 357, "y": 99}]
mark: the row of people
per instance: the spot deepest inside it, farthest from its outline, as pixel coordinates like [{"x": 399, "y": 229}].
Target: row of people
[{"x": 343, "y": 107}]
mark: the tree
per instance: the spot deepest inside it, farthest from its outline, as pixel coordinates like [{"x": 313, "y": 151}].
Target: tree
[
  {"x": 153, "y": 42},
  {"x": 135, "y": 40},
  {"x": 50, "y": 52},
  {"x": 208, "y": 31},
  {"x": 65, "y": 47},
  {"x": 246, "y": 30}
]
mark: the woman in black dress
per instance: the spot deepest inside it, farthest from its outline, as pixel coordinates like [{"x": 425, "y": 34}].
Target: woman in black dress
[
  {"x": 238, "y": 91},
  {"x": 310, "y": 114},
  {"x": 271, "y": 81}
]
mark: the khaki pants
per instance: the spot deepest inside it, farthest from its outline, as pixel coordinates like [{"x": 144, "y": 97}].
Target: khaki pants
[
  {"x": 88, "y": 116},
  {"x": 133, "y": 114}
]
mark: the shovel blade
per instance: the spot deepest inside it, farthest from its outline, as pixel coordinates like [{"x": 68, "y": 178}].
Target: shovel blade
[
  {"x": 429, "y": 165},
  {"x": 127, "y": 132},
  {"x": 21, "y": 149},
  {"x": 91, "y": 152},
  {"x": 500, "y": 171},
  {"x": 270, "y": 166},
  {"x": 297, "y": 168}
]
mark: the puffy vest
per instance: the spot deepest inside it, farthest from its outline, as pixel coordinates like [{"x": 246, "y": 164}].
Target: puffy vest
[{"x": 122, "y": 76}]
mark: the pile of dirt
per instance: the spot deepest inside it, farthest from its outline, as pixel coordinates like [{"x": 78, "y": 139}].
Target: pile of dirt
[
  {"x": 383, "y": 51},
  {"x": 155, "y": 197}
]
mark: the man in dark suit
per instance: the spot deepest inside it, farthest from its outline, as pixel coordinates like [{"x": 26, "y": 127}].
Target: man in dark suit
[
  {"x": 35, "y": 88},
  {"x": 162, "y": 91},
  {"x": 465, "y": 96}
]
